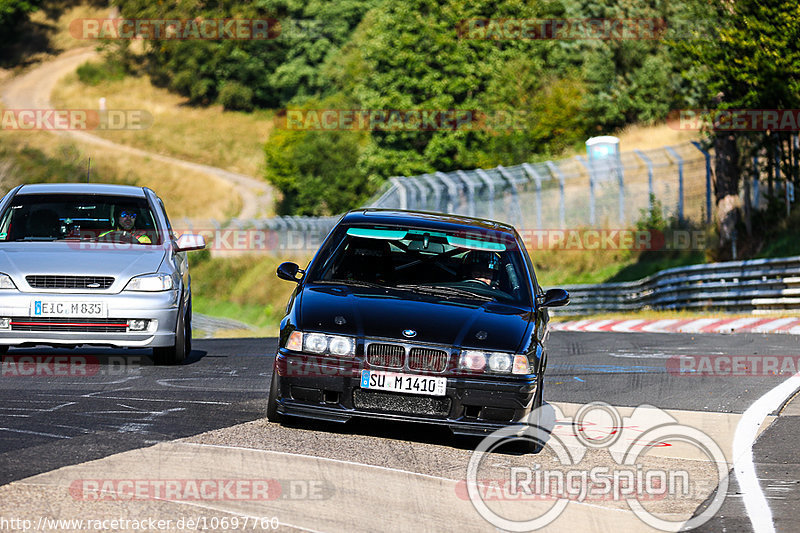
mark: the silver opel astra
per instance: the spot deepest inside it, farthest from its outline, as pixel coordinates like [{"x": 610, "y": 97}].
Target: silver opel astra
[{"x": 93, "y": 264}]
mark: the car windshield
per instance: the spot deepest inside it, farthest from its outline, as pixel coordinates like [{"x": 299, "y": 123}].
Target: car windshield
[
  {"x": 470, "y": 264},
  {"x": 51, "y": 217}
]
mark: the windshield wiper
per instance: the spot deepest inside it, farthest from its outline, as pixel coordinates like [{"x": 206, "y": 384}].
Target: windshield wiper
[{"x": 442, "y": 290}]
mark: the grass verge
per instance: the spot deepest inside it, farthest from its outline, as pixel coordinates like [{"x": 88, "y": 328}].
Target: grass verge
[{"x": 243, "y": 288}]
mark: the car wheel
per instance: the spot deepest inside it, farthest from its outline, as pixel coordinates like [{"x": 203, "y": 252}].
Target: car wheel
[
  {"x": 175, "y": 354},
  {"x": 4, "y": 349},
  {"x": 272, "y": 402},
  {"x": 532, "y": 445},
  {"x": 187, "y": 334}
]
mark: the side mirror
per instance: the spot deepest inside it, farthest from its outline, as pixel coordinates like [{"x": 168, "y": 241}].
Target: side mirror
[
  {"x": 288, "y": 271},
  {"x": 187, "y": 242},
  {"x": 555, "y": 298}
]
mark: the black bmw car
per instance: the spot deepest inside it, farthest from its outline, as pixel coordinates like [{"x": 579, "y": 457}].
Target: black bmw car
[{"x": 417, "y": 317}]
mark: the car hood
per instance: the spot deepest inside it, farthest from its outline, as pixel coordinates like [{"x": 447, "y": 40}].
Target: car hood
[
  {"x": 19, "y": 259},
  {"x": 386, "y": 313}
]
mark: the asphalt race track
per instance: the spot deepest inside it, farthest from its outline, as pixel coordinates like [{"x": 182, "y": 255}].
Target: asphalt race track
[{"x": 119, "y": 413}]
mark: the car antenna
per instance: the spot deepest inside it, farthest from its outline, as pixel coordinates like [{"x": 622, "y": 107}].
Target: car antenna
[{"x": 88, "y": 169}]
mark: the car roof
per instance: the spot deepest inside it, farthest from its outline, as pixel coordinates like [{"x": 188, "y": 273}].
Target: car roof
[
  {"x": 425, "y": 219},
  {"x": 82, "y": 188}
]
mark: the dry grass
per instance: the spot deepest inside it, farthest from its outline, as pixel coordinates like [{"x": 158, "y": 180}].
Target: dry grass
[
  {"x": 185, "y": 194},
  {"x": 637, "y": 137},
  {"x": 225, "y": 139},
  {"x": 244, "y": 288}
]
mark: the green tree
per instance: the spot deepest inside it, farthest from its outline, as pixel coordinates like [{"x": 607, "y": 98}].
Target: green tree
[
  {"x": 750, "y": 60},
  {"x": 12, "y": 14}
]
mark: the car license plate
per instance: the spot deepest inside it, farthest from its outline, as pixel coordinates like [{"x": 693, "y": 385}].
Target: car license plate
[
  {"x": 390, "y": 381},
  {"x": 66, "y": 309}
]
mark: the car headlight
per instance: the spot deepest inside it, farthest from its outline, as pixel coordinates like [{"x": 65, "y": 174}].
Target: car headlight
[
  {"x": 6, "y": 283},
  {"x": 150, "y": 283},
  {"x": 315, "y": 343},
  {"x": 496, "y": 362},
  {"x": 319, "y": 343},
  {"x": 500, "y": 362},
  {"x": 472, "y": 360}
]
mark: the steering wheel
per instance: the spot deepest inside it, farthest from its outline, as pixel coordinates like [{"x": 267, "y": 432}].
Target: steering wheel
[
  {"x": 122, "y": 237},
  {"x": 479, "y": 282}
]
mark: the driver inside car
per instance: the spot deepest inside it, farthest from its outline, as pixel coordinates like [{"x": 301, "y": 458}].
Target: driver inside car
[
  {"x": 482, "y": 266},
  {"x": 125, "y": 227}
]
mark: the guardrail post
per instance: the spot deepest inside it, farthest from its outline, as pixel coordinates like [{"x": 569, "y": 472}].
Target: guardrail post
[
  {"x": 562, "y": 204},
  {"x": 538, "y": 182},
  {"x": 708, "y": 180},
  {"x": 679, "y": 160},
  {"x": 650, "y": 188}
]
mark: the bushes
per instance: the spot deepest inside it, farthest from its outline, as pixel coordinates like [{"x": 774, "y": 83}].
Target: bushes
[
  {"x": 236, "y": 97},
  {"x": 92, "y": 73}
]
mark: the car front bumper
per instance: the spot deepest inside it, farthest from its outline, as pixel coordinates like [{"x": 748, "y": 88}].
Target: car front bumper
[
  {"x": 160, "y": 309},
  {"x": 472, "y": 405}
]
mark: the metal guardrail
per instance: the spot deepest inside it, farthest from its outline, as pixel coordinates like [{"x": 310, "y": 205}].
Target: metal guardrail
[{"x": 757, "y": 286}]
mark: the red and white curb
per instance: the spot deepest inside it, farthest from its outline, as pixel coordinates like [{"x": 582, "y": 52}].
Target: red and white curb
[{"x": 790, "y": 325}]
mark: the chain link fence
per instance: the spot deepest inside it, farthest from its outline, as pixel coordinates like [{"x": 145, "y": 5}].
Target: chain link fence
[
  {"x": 566, "y": 194},
  {"x": 570, "y": 193}
]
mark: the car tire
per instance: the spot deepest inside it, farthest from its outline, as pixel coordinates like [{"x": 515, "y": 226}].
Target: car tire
[
  {"x": 272, "y": 402},
  {"x": 187, "y": 334},
  {"x": 532, "y": 445},
  {"x": 4, "y": 349},
  {"x": 175, "y": 354}
]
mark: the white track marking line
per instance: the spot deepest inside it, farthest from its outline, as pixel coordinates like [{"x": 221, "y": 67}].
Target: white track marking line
[
  {"x": 773, "y": 325},
  {"x": 737, "y": 324},
  {"x": 26, "y": 432},
  {"x": 626, "y": 325},
  {"x": 342, "y": 461},
  {"x": 753, "y": 497}
]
